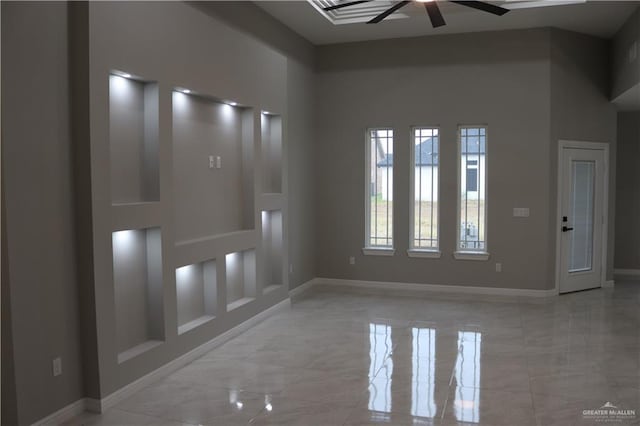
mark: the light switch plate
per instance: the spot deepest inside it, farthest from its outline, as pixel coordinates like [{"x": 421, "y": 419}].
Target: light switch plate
[{"x": 520, "y": 212}]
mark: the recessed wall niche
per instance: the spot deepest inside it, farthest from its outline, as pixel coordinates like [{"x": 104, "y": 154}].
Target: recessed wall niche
[
  {"x": 272, "y": 246},
  {"x": 241, "y": 278},
  {"x": 133, "y": 140},
  {"x": 271, "y": 125},
  {"x": 196, "y": 294},
  {"x": 213, "y": 155},
  {"x": 137, "y": 278}
]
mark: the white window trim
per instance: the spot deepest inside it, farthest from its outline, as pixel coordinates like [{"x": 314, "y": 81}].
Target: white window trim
[
  {"x": 424, "y": 254},
  {"x": 466, "y": 254},
  {"x": 471, "y": 255},
  {"x": 369, "y": 249},
  {"x": 378, "y": 251},
  {"x": 413, "y": 250}
]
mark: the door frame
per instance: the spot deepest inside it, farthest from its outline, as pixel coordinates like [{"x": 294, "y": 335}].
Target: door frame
[{"x": 599, "y": 146}]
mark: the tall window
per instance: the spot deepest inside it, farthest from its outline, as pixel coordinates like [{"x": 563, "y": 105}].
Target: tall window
[
  {"x": 472, "y": 195},
  {"x": 379, "y": 189},
  {"x": 424, "y": 178}
]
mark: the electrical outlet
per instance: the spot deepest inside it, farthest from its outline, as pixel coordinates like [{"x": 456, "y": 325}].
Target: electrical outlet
[
  {"x": 521, "y": 212},
  {"x": 57, "y": 367},
  {"x": 212, "y": 163},
  {"x": 498, "y": 267},
  {"x": 352, "y": 260}
]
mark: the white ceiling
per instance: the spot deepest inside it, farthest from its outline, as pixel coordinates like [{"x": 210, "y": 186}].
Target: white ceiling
[{"x": 598, "y": 18}]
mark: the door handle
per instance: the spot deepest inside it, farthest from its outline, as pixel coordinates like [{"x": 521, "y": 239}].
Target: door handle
[{"x": 566, "y": 229}]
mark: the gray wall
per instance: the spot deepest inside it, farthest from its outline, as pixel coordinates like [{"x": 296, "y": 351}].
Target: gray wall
[
  {"x": 627, "y": 248},
  {"x": 137, "y": 266},
  {"x": 196, "y": 291},
  {"x": 626, "y": 73},
  {"x": 531, "y": 88},
  {"x": 255, "y": 22},
  {"x": 133, "y": 141},
  {"x": 301, "y": 89},
  {"x": 272, "y": 240},
  {"x": 36, "y": 163},
  {"x": 9, "y": 402},
  {"x": 581, "y": 111},
  {"x": 500, "y": 79},
  {"x": 251, "y": 74},
  {"x": 208, "y": 201},
  {"x": 301, "y": 162}
]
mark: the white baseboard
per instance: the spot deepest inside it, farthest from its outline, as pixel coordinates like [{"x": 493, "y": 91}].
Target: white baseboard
[
  {"x": 62, "y": 415},
  {"x": 627, "y": 272},
  {"x": 302, "y": 288},
  {"x": 609, "y": 284},
  {"x": 93, "y": 405},
  {"x": 397, "y": 286}
]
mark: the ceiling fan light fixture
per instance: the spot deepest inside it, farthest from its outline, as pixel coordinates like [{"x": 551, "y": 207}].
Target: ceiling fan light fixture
[{"x": 431, "y": 6}]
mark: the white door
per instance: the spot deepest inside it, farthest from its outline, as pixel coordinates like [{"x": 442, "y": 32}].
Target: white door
[{"x": 582, "y": 196}]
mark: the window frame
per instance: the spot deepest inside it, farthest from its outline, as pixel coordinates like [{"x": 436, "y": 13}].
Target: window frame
[
  {"x": 369, "y": 249},
  {"x": 414, "y": 251},
  {"x": 470, "y": 254}
]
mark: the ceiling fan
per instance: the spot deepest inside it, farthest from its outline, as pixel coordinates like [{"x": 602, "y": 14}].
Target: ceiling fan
[{"x": 437, "y": 20}]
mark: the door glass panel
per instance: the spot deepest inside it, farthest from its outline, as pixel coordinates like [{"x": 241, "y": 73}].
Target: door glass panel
[{"x": 582, "y": 206}]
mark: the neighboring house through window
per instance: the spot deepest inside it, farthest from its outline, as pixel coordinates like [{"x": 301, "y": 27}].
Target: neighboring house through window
[
  {"x": 425, "y": 175},
  {"x": 472, "y": 176},
  {"x": 472, "y": 161}
]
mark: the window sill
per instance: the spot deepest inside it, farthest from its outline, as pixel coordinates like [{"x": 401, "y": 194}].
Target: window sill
[
  {"x": 426, "y": 254},
  {"x": 373, "y": 251},
  {"x": 471, "y": 255}
]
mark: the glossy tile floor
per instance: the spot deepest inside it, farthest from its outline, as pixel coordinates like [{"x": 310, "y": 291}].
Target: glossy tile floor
[{"x": 341, "y": 357}]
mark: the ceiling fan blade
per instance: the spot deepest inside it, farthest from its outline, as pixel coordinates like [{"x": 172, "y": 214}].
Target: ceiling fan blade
[
  {"x": 388, "y": 12},
  {"x": 341, "y": 5},
  {"x": 434, "y": 14},
  {"x": 485, "y": 7}
]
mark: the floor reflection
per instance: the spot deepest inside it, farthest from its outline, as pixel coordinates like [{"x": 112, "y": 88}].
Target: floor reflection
[
  {"x": 380, "y": 345},
  {"x": 423, "y": 361},
  {"x": 237, "y": 405},
  {"x": 467, "y": 375},
  {"x": 423, "y": 372},
  {"x": 420, "y": 387},
  {"x": 235, "y": 401}
]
